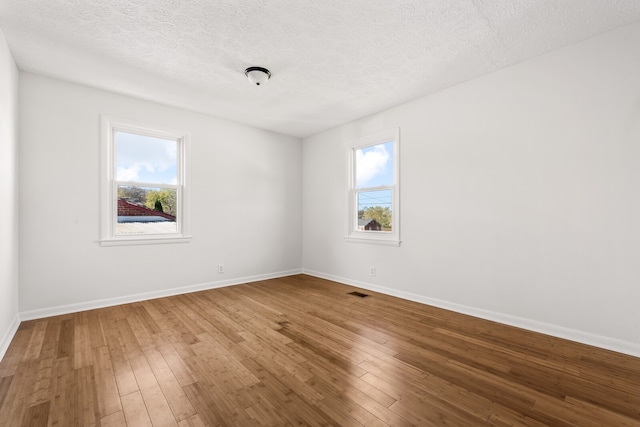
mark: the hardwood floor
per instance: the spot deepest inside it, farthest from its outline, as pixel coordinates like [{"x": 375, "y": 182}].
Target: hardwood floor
[{"x": 301, "y": 351}]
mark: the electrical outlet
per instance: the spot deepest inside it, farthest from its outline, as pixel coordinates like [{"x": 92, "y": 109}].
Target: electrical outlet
[
  {"x": 220, "y": 268},
  {"x": 372, "y": 271}
]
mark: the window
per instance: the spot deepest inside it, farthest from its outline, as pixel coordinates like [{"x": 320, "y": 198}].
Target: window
[
  {"x": 144, "y": 192},
  {"x": 374, "y": 211}
]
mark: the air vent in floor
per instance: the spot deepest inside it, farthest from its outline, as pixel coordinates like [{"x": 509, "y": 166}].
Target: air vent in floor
[{"x": 358, "y": 294}]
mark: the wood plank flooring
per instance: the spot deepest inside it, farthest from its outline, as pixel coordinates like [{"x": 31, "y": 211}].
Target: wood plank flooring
[{"x": 301, "y": 351}]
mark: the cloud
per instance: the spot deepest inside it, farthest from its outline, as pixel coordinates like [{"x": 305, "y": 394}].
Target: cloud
[
  {"x": 145, "y": 159},
  {"x": 128, "y": 173},
  {"x": 370, "y": 162}
]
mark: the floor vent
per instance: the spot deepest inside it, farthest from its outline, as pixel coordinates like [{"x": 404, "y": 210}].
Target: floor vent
[{"x": 358, "y": 294}]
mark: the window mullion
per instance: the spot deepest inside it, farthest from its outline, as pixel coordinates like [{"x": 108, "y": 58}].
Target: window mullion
[{"x": 381, "y": 187}]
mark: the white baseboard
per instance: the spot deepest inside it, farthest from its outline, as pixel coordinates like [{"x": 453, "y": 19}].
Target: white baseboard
[
  {"x": 620, "y": 346},
  {"x": 108, "y": 302},
  {"x": 8, "y": 335},
  {"x": 608, "y": 343}
]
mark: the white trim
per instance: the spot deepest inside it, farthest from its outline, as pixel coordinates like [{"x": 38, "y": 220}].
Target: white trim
[
  {"x": 155, "y": 240},
  {"x": 391, "y": 238},
  {"x": 372, "y": 240},
  {"x": 108, "y": 302},
  {"x": 108, "y": 183},
  {"x": 9, "y": 334},
  {"x": 613, "y": 344}
]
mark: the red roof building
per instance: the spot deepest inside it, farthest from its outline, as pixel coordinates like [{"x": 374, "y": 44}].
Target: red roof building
[{"x": 128, "y": 209}]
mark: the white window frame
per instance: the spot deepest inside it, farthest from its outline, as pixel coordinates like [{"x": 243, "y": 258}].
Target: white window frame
[
  {"x": 109, "y": 184},
  {"x": 376, "y": 237}
]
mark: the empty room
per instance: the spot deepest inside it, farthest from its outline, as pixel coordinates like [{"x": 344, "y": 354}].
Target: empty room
[{"x": 360, "y": 213}]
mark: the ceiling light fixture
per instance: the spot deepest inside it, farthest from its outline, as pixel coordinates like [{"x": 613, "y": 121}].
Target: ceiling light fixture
[{"x": 257, "y": 75}]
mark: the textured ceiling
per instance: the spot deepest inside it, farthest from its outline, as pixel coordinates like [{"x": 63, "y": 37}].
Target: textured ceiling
[{"x": 332, "y": 60}]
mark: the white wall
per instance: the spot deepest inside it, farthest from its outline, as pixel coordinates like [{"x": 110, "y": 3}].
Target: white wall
[
  {"x": 8, "y": 196},
  {"x": 520, "y": 196},
  {"x": 245, "y": 203}
]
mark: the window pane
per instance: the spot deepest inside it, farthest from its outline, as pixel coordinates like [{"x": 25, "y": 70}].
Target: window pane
[
  {"x": 146, "y": 210},
  {"x": 374, "y": 210},
  {"x": 142, "y": 158},
  {"x": 374, "y": 165}
]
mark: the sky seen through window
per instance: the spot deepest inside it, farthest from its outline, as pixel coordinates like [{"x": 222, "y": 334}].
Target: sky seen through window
[
  {"x": 146, "y": 159},
  {"x": 374, "y": 168}
]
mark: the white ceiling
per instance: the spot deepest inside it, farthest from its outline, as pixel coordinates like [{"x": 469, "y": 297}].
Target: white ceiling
[{"x": 332, "y": 60}]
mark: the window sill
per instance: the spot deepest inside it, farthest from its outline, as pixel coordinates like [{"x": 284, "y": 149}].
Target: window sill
[
  {"x": 374, "y": 241},
  {"x": 144, "y": 241}
]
